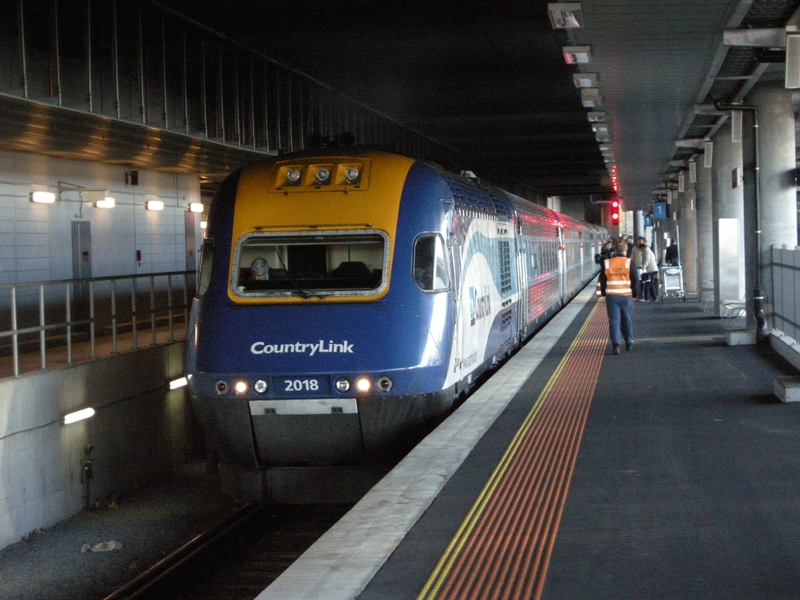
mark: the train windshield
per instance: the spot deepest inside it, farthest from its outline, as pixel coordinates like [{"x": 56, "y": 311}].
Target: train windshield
[{"x": 325, "y": 264}]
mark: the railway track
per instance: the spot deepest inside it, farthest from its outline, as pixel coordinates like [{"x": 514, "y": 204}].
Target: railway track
[{"x": 238, "y": 558}]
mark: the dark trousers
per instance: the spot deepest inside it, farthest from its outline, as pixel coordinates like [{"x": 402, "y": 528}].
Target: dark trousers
[
  {"x": 650, "y": 286},
  {"x": 620, "y": 319}
]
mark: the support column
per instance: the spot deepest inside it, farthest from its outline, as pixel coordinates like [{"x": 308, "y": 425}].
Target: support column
[
  {"x": 638, "y": 225},
  {"x": 728, "y": 235},
  {"x": 777, "y": 210},
  {"x": 705, "y": 236},
  {"x": 687, "y": 222}
]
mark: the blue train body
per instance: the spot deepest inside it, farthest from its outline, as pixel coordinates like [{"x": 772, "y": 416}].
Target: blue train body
[{"x": 392, "y": 286}]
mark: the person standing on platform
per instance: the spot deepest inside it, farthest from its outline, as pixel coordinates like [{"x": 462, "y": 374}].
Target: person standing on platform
[
  {"x": 671, "y": 257},
  {"x": 616, "y": 284},
  {"x": 648, "y": 266}
]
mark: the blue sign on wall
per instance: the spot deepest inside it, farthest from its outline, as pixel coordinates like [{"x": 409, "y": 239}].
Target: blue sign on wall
[
  {"x": 659, "y": 210},
  {"x": 648, "y": 221}
]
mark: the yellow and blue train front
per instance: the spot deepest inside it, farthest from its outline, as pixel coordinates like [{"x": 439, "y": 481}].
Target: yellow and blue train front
[{"x": 336, "y": 350}]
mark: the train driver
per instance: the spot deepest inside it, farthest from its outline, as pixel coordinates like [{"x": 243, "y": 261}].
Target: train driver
[{"x": 259, "y": 270}]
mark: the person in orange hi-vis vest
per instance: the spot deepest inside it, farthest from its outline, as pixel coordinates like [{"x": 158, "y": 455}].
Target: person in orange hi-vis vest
[{"x": 616, "y": 283}]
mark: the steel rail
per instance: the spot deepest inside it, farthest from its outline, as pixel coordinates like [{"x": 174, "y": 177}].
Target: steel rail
[{"x": 151, "y": 576}]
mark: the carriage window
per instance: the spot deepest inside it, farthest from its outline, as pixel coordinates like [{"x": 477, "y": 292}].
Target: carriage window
[
  {"x": 430, "y": 263},
  {"x": 310, "y": 264}
]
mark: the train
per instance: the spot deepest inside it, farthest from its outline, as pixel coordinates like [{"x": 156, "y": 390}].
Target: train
[{"x": 348, "y": 296}]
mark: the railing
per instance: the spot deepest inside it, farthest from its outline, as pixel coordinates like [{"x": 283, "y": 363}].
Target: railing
[
  {"x": 52, "y": 315},
  {"x": 786, "y": 286}
]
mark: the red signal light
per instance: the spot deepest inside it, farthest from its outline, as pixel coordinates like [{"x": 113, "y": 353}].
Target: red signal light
[{"x": 615, "y": 212}]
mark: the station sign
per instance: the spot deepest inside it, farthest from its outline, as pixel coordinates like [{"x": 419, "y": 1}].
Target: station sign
[{"x": 659, "y": 210}]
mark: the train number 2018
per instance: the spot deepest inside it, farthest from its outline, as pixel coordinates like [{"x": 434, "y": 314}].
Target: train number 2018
[{"x": 301, "y": 385}]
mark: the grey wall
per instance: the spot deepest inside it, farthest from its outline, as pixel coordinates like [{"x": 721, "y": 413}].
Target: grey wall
[{"x": 140, "y": 430}]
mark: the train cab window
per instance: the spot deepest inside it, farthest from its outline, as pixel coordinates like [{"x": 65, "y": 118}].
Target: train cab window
[
  {"x": 311, "y": 264},
  {"x": 430, "y": 263}
]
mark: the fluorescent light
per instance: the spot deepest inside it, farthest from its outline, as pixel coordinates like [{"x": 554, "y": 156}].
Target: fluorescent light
[
  {"x": 577, "y": 55},
  {"x": 178, "y": 383},
  {"x": 78, "y": 415},
  {"x": 107, "y": 202},
  {"x": 196, "y": 207},
  {"x": 155, "y": 205},
  {"x": 565, "y": 15},
  {"x": 590, "y": 98},
  {"x": 596, "y": 116},
  {"x": 585, "y": 80},
  {"x": 43, "y": 197},
  {"x": 203, "y": 224}
]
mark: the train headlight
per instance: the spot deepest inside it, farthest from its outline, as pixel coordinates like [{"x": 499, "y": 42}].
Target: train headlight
[
  {"x": 221, "y": 386},
  {"x": 352, "y": 174},
  {"x": 293, "y": 176},
  {"x": 384, "y": 383},
  {"x": 240, "y": 387},
  {"x": 323, "y": 175},
  {"x": 260, "y": 386},
  {"x": 363, "y": 385},
  {"x": 342, "y": 385}
]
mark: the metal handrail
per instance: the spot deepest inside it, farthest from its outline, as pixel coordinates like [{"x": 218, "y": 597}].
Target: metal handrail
[{"x": 93, "y": 304}]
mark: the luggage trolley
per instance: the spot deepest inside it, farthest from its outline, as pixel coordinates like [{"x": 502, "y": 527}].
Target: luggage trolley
[{"x": 671, "y": 282}]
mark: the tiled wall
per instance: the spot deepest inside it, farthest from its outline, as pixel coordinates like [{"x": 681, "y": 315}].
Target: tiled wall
[{"x": 36, "y": 239}]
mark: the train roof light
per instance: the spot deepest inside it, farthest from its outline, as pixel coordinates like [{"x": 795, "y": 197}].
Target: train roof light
[
  {"x": 293, "y": 176},
  {"x": 323, "y": 175},
  {"x": 352, "y": 174}
]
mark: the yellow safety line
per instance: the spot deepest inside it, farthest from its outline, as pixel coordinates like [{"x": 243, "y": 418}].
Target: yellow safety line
[{"x": 454, "y": 548}]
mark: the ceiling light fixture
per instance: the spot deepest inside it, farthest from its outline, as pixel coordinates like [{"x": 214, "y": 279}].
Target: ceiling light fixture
[
  {"x": 585, "y": 80},
  {"x": 565, "y": 15},
  {"x": 154, "y": 205},
  {"x": 577, "y": 55},
  {"x": 591, "y": 98}
]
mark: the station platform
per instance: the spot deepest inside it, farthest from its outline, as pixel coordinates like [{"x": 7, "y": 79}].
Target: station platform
[{"x": 670, "y": 471}]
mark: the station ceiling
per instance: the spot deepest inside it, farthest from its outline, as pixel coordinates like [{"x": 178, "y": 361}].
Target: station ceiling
[{"x": 489, "y": 79}]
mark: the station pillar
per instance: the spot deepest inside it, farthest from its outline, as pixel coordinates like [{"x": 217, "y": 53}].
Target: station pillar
[
  {"x": 705, "y": 236},
  {"x": 776, "y": 211},
  {"x": 727, "y": 187},
  {"x": 687, "y": 230}
]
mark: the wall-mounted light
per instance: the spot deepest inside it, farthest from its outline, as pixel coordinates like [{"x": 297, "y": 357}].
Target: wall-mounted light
[
  {"x": 693, "y": 171},
  {"x": 596, "y": 116},
  {"x": 792, "y": 75},
  {"x": 591, "y": 98},
  {"x": 565, "y": 15},
  {"x": 196, "y": 207},
  {"x": 43, "y": 197},
  {"x": 681, "y": 182},
  {"x": 577, "y": 55},
  {"x": 154, "y": 205},
  {"x": 585, "y": 80},
  {"x": 708, "y": 158},
  {"x": 107, "y": 202},
  {"x": 78, "y": 415},
  {"x": 178, "y": 383},
  {"x": 203, "y": 224}
]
